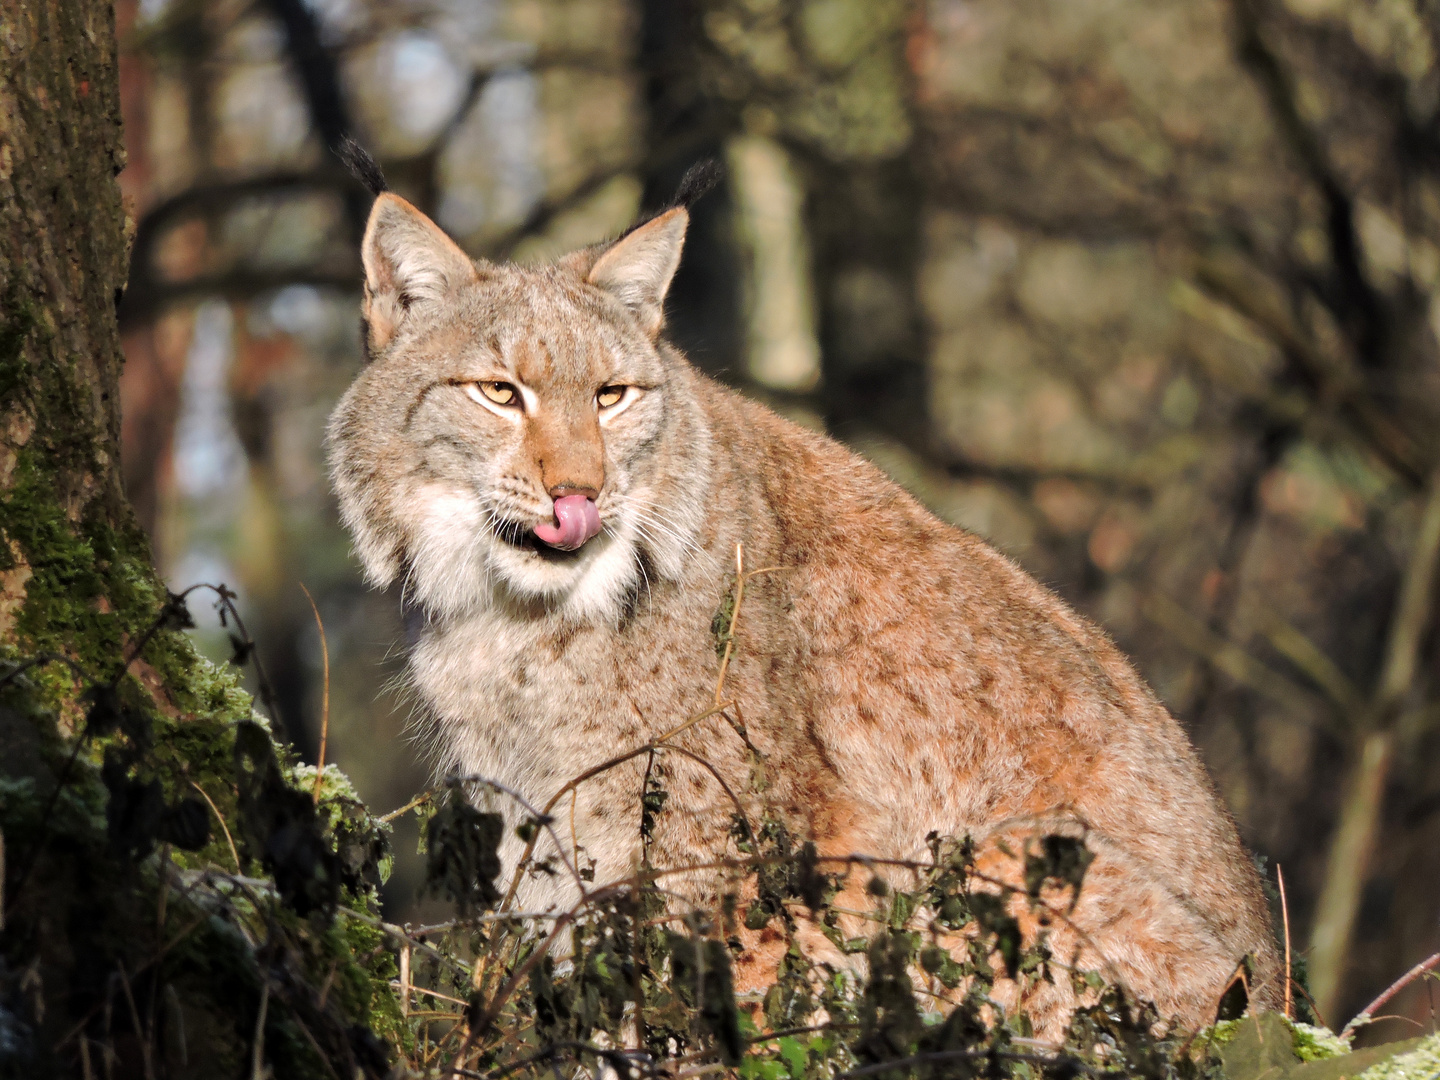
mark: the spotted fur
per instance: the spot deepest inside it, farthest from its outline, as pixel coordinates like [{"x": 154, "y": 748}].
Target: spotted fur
[{"x": 898, "y": 676}]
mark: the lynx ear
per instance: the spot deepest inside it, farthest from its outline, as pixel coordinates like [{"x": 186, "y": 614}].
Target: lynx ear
[
  {"x": 408, "y": 261},
  {"x": 638, "y": 267}
]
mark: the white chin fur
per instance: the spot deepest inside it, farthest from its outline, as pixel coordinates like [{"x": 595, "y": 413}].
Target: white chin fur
[{"x": 458, "y": 565}]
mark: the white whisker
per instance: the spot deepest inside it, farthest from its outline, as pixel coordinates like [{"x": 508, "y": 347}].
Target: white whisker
[{"x": 651, "y": 516}]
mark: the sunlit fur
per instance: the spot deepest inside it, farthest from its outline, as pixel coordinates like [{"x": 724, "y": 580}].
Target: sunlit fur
[{"x": 897, "y": 676}]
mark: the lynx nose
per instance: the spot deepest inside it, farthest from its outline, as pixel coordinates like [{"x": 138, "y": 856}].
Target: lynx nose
[{"x": 561, "y": 491}]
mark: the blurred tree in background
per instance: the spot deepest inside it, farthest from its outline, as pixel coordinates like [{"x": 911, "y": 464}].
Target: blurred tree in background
[{"x": 1142, "y": 292}]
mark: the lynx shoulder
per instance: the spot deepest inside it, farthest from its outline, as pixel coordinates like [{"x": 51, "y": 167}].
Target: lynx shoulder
[{"x": 562, "y": 495}]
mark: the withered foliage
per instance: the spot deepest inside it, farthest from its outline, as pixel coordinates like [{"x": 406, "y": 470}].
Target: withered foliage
[
  {"x": 175, "y": 902},
  {"x": 186, "y": 968}
]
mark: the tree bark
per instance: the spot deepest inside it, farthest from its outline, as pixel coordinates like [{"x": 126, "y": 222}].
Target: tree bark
[
  {"x": 118, "y": 745},
  {"x": 70, "y": 539}
]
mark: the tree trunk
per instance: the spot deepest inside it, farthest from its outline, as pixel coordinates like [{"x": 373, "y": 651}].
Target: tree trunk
[
  {"x": 72, "y": 557},
  {"x": 119, "y": 747}
]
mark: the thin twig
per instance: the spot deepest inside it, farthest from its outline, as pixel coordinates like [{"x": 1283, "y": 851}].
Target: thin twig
[
  {"x": 421, "y": 991},
  {"x": 257, "y": 1045},
  {"x": 1314, "y": 1009},
  {"x": 407, "y": 940},
  {"x": 940, "y": 1056},
  {"x": 419, "y": 800},
  {"x": 324, "y": 695},
  {"x": 734, "y": 619},
  {"x": 1367, "y": 1014},
  {"x": 1285, "y": 918},
  {"x": 590, "y": 773},
  {"x": 719, "y": 708},
  {"x": 40, "y": 660},
  {"x": 405, "y": 979},
  {"x": 314, "y": 1043},
  {"x": 141, "y": 1034},
  {"x": 734, "y": 799},
  {"x": 234, "y": 854},
  {"x": 541, "y": 818}
]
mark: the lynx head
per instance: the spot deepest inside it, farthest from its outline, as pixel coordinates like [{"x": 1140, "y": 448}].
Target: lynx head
[{"x": 521, "y": 435}]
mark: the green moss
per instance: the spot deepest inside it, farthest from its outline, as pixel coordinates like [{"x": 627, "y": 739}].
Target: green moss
[
  {"x": 197, "y": 685},
  {"x": 65, "y": 580},
  {"x": 17, "y": 328},
  {"x": 1310, "y": 1043},
  {"x": 91, "y": 580},
  {"x": 1314, "y": 1043},
  {"x": 1421, "y": 1063},
  {"x": 90, "y": 911}
]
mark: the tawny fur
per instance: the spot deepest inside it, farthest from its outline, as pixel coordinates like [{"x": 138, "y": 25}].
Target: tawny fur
[{"x": 899, "y": 676}]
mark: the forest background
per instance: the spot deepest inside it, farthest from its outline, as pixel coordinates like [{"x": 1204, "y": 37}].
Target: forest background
[{"x": 1144, "y": 293}]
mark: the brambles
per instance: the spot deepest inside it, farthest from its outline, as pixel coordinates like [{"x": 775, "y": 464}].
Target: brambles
[
  {"x": 462, "y": 855},
  {"x": 166, "y": 875},
  {"x": 644, "y": 983},
  {"x": 926, "y": 960}
]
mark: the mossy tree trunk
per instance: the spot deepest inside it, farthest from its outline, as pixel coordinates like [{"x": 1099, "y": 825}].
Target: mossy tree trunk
[
  {"x": 123, "y": 949},
  {"x": 72, "y": 556}
]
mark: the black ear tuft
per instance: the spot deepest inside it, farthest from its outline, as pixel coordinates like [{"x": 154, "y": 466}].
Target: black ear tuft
[
  {"x": 698, "y": 180},
  {"x": 362, "y": 166}
]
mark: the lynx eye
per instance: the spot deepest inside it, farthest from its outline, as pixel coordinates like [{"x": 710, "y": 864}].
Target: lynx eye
[
  {"x": 609, "y": 395},
  {"x": 501, "y": 393}
]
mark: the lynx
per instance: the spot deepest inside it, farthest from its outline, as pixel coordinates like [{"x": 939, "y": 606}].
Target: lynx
[{"x": 561, "y": 496}]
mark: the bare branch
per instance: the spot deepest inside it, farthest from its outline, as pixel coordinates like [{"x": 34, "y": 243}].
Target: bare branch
[
  {"x": 1355, "y": 301},
  {"x": 1363, "y": 1016},
  {"x": 1234, "y": 661},
  {"x": 1346, "y": 870}
]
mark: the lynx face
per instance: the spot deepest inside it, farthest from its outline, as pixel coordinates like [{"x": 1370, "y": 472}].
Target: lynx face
[{"x": 514, "y": 439}]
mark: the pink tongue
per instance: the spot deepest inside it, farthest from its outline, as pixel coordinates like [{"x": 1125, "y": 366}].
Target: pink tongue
[{"x": 576, "y": 520}]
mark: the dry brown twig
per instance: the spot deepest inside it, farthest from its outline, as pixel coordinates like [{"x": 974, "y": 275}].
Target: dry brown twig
[
  {"x": 257, "y": 1045},
  {"x": 1285, "y": 918},
  {"x": 142, "y": 1034},
  {"x": 1367, "y": 1014},
  {"x": 324, "y": 694},
  {"x": 734, "y": 620},
  {"x": 419, "y": 800},
  {"x": 404, "y": 982},
  {"x": 234, "y": 853}
]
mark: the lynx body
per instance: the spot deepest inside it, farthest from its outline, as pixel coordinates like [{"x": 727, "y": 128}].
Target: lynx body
[{"x": 562, "y": 496}]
